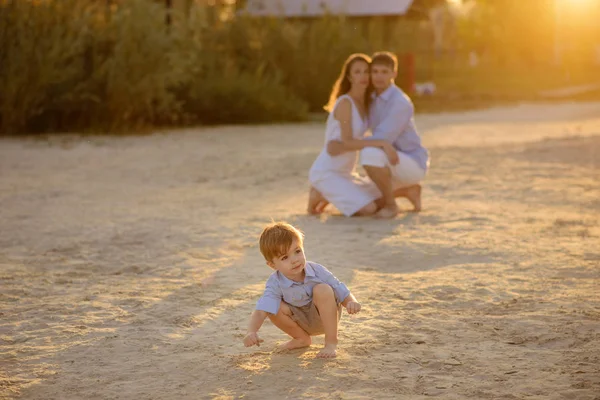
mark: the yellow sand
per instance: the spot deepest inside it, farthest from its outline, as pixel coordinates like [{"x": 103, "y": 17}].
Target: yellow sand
[{"x": 129, "y": 266}]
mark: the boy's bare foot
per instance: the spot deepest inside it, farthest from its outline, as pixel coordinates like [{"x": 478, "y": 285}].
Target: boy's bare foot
[
  {"x": 387, "y": 212},
  {"x": 316, "y": 202},
  {"x": 413, "y": 194},
  {"x": 295, "y": 344},
  {"x": 328, "y": 351}
]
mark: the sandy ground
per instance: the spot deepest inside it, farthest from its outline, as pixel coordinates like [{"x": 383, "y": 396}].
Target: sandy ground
[{"x": 129, "y": 266}]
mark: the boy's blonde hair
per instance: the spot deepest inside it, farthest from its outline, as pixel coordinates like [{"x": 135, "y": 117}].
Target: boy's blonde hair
[{"x": 276, "y": 239}]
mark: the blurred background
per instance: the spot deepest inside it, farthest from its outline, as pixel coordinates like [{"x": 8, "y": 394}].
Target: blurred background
[{"x": 126, "y": 65}]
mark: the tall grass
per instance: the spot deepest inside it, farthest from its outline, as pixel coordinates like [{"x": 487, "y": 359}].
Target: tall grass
[
  {"x": 78, "y": 65},
  {"x": 42, "y": 59}
]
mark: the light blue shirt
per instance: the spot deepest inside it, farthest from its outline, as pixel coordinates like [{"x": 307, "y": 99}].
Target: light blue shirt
[
  {"x": 298, "y": 294},
  {"x": 391, "y": 118}
]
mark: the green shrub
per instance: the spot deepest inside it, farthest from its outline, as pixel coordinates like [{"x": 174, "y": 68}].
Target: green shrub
[
  {"x": 227, "y": 78},
  {"x": 241, "y": 98},
  {"x": 138, "y": 72},
  {"x": 80, "y": 65},
  {"x": 72, "y": 65},
  {"x": 42, "y": 48}
]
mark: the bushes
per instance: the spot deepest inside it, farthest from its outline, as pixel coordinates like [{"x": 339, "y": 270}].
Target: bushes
[
  {"x": 77, "y": 65},
  {"x": 229, "y": 78},
  {"x": 65, "y": 65},
  {"x": 241, "y": 98},
  {"x": 42, "y": 49},
  {"x": 137, "y": 72}
]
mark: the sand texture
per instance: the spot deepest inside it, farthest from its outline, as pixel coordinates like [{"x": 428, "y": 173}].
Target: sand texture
[{"x": 129, "y": 266}]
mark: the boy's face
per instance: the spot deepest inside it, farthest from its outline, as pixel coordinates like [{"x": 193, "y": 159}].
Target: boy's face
[
  {"x": 382, "y": 76},
  {"x": 290, "y": 264}
]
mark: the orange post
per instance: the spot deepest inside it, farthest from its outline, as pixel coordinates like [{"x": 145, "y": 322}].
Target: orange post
[{"x": 409, "y": 73}]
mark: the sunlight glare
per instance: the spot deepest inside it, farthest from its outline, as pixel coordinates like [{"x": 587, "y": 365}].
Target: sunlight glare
[{"x": 575, "y": 3}]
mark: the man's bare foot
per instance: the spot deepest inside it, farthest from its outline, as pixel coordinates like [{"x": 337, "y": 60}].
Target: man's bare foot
[
  {"x": 295, "y": 344},
  {"x": 316, "y": 202},
  {"x": 413, "y": 194},
  {"x": 328, "y": 351},
  {"x": 387, "y": 212}
]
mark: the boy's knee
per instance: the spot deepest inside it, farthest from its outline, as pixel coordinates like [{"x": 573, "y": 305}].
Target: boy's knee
[
  {"x": 373, "y": 156},
  {"x": 322, "y": 291},
  {"x": 284, "y": 310}
]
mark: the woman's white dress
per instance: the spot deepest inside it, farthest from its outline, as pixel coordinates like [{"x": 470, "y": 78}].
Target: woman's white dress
[{"x": 335, "y": 176}]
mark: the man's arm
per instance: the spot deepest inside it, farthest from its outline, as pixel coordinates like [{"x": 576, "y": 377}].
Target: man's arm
[
  {"x": 395, "y": 122},
  {"x": 337, "y": 147},
  {"x": 343, "y": 114}
]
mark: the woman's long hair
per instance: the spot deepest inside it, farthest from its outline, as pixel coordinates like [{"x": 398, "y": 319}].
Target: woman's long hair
[{"x": 342, "y": 85}]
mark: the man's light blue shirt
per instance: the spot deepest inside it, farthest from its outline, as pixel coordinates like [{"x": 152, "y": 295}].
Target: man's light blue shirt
[
  {"x": 298, "y": 294},
  {"x": 391, "y": 118}
]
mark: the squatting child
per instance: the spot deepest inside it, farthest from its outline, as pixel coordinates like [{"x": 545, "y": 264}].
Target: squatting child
[{"x": 302, "y": 298}]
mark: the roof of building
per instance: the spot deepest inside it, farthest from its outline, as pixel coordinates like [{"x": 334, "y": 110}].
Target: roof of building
[{"x": 313, "y": 8}]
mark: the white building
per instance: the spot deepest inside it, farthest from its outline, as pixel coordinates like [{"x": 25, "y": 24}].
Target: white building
[{"x": 315, "y": 8}]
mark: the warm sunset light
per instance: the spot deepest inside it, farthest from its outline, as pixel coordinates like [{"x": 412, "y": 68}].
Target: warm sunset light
[
  {"x": 576, "y": 4},
  {"x": 579, "y": 2},
  {"x": 263, "y": 199}
]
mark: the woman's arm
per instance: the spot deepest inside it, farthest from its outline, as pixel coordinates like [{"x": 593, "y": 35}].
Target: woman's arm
[
  {"x": 343, "y": 113},
  {"x": 337, "y": 147}
]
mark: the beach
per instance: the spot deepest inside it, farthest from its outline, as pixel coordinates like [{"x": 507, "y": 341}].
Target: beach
[{"x": 129, "y": 265}]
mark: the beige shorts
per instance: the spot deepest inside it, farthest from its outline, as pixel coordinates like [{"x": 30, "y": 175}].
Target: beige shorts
[{"x": 309, "y": 319}]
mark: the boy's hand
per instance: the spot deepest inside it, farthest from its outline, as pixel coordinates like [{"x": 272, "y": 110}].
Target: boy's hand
[
  {"x": 252, "y": 339},
  {"x": 353, "y": 307}
]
